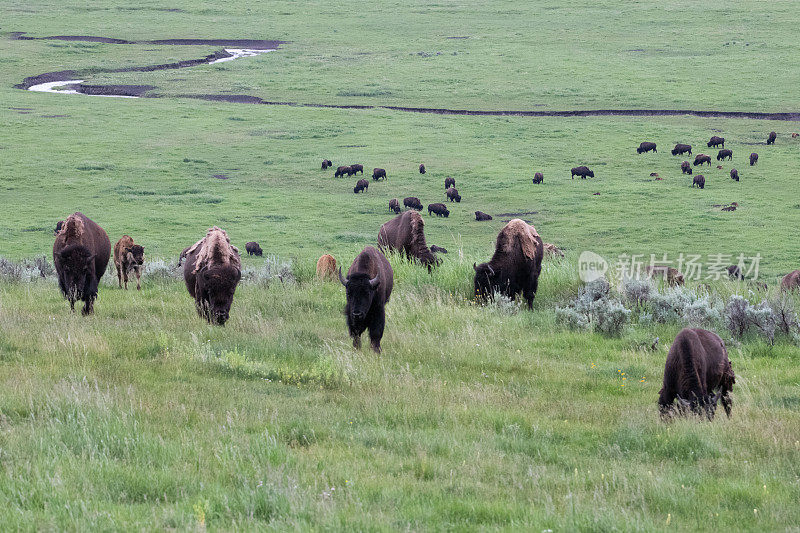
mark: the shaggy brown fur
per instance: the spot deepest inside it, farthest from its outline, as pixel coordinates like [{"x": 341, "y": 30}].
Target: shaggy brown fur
[
  {"x": 791, "y": 281},
  {"x": 716, "y": 141},
  {"x": 128, "y": 257},
  {"x": 681, "y": 149},
  {"x": 734, "y": 174},
  {"x": 326, "y": 267},
  {"x": 700, "y": 181},
  {"x": 449, "y": 182},
  {"x": 378, "y": 173},
  {"x": 211, "y": 272},
  {"x": 699, "y": 159},
  {"x": 772, "y": 137},
  {"x": 697, "y": 364},
  {"x": 405, "y": 234},
  {"x": 686, "y": 168},
  {"x": 394, "y": 205},
  {"x": 368, "y": 287},
  {"x": 215, "y": 246}
]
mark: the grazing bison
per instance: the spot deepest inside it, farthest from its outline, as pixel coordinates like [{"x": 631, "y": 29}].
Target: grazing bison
[
  {"x": 791, "y": 281},
  {"x": 80, "y": 253},
  {"x": 686, "y": 168},
  {"x": 440, "y": 210},
  {"x": 697, "y": 364},
  {"x": 552, "y": 249},
  {"x": 341, "y": 171},
  {"x": 211, "y": 272},
  {"x": 449, "y": 182},
  {"x": 582, "y": 171},
  {"x": 361, "y": 185},
  {"x": 735, "y": 272},
  {"x": 378, "y": 173},
  {"x": 128, "y": 257},
  {"x": 672, "y": 276},
  {"x": 515, "y": 265},
  {"x": 480, "y": 215},
  {"x": 654, "y": 174},
  {"x": 367, "y": 287},
  {"x": 326, "y": 267},
  {"x": 716, "y": 141},
  {"x": 538, "y": 178},
  {"x": 681, "y": 149},
  {"x": 452, "y": 194},
  {"x": 253, "y": 248},
  {"x": 394, "y": 205},
  {"x": 421, "y": 168},
  {"x": 413, "y": 203},
  {"x": 357, "y": 168},
  {"x": 59, "y": 225},
  {"x": 772, "y": 137},
  {"x": 753, "y": 159},
  {"x": 646, "y": 147},
  {"x": 734, "y": 174},
  {"x": 438, "y": 249},
  {"x": 326, "y": 164},
  {"x": 700, "y": 181},
  {"x": 405, "y": 234},
  {"x": 699, "y": 159},
  {"x": 722, "y": 155}
]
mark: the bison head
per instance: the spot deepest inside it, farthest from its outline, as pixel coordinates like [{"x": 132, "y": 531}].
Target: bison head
[
  {"x": 77, "y": 273},
  {"x": 215, "y": 287},
  {"x": 135, "y": 257},
  {"x": 360, "y": 291},
  {"x": 485, "y": 281}
]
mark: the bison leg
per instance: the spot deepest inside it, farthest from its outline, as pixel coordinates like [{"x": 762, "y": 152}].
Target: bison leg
[
  {"x": 119, "y": 274},
  {"x": 138, "y": 280},
  {"x": 726, "y": 404},
  {"x": 88, "y": 306},
  {"x": 376, "y": 330},
  {"x": 125, "y": 277}
]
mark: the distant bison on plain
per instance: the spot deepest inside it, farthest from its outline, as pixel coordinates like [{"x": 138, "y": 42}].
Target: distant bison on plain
[
  {"x": 438, "y": 209},
  {"x": 341, "y": 171},
  {"x": 582, "y": 171},
  {"x": 686, "y": 168},
  {"x": 480, "y": 216},
  {"x": 394, "y": 205},
  {"x": 699, "y": 159},
  {"x": 699, "y": 181},
  {"x": 753, "y": 159},
  {"x": 716, "y": 141},
  {"x": 722, "y": 155},
  {"x": 734, "y": 174},
  {"x": 361, "y": 185},
  {"x": 421, "y": 169},
  {"x": 646, "y": 147},
  {"x": 772, "y": 137},
  {"x": 538, "y": 178},
  {"x": 378, "y": 173},
  {"x": 412, "y": 202},
  {"x": 452, "y": 194},
  {"x": 449, "y": 182},
  {"x": 326, "y": 164},
  {"x": 672, "y": 276},
  {"x": 357, "y": 168},
  {"x": 253, "y": 248},
  {"x": 681, "y": 149}
]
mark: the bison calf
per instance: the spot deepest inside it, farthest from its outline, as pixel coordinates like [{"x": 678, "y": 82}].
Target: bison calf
[
  {"x": 128, "y": 257},
  {"x": 368, "y": 287},
  {"x": 791, "y": 281},
  {"x": 326, "y": 267}
]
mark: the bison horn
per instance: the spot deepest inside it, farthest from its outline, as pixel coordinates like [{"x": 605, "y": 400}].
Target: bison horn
[
  {"x": 344, "y": 281},
  {"x": 475, "y": 267},
  {"x": 490, "y": 269},
  {"x": 374, "y": 282}
]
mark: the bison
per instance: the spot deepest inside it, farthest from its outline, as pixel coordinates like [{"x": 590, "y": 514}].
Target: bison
[
  {"x": 80, "y": 253},
  {"x": 361, "y": 185},
  {"x": 681, "y": 149},
  {"x": 515, "y": 266},
  {"x": 326, "y": 164},
  {"x": 716, "y": 141},
  {"x": 686, "y": 168},
  {"x": 791, "y": 281},
  {"x": 439, "y": 209},
  {"x": 452, "y": 194},
  {"x": 326, "y": 267},
  {"x": 735, "y": 272},
  {"x": 697, "y": 364},
  {"x": 367, "y": 287},
  {"x": 538, "y": 178},
  {"x": 672, "y": 276},
  {"x": 341, "y": 171},
  {"x": 378, "y": 173},
  {"x": 646, "y": 147},
  {"x": 582, "y": 171},
  {"x": 128, "y": 257},
  {"x": 211, "y": 272},
  {"x": 734, "y": 174},
  {"x": 421, "y": 168},
  {"x": 438, "y": 249},
  {"x": 449, "y": 182},
  {"x": 357, "y": 168},
  {"x": 253, "y": 248},
  {"x": 394, "y": 205},
  {"x": 405, "y": 234},
  {"x": 699, "y": 159},
  {"x": 722, "y": 155},
  {"x": 772, "y": 137},
  {"x": 412, "y": 202},
  {"x": 700, "y": 181},
  {"x": 480, "y": 215},
  {"x": 753, "y": 159}
]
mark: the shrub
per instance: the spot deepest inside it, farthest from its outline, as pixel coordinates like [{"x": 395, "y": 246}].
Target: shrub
[
  {"x": 785, "y": 314},
  {"x": 27, "y": 270},
  {"x": 740, "y": 317},
  {"x": 637, "y": 292},
  {"x": 593, "y": 309},
  {"x": 736, "y": 316},
  {"x": 670, "y": 306},
  {"x": 160, "y": 270},
  {"x": 273, "y": 268}
]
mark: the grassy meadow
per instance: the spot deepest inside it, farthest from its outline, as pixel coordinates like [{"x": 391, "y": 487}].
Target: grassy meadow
[{"x": 142, "y": 417}]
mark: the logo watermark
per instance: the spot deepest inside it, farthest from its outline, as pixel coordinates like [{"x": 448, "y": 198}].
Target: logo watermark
[
  {"x": 591, "y": 266},
  {"x": 693, "y": 267}
]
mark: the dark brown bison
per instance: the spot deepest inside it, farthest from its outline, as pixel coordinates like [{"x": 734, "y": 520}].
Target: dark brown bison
[
  {"x": 772, "y": 137},
  {"x": 582, "y": 171},
  {"x": 716, "y": 141},
  {"x": 211, "y": 272},
  {"x": 449, "y": 182},
  {"x": 128, "y": 257},
  {"x": 735, "y": 272},
  {"x": 378, "y": 173},
  {"x": 341, "y": 171},
  {"x": 361, "y": 185},
  {"x": 729, "y": 208},
  {"x": 538, "y": 178},
  {"x": 719, "y": 167},
  {"x": 59, "y": 225},
  {"x": 326, "y": 267},
  {"x": 672, "y": 276},
  {"x": 753, "y": 159},
  {"x": 480, "y": 215},
  {"x": 646, "y": 147},
  {"x": 367, "y": 287},
  {"x": 654, "y": 174},
  {"x": 700, "y": 181},
  {"x": 405, "y": 234},
  {"x": 421, "y": 168},
  {"x": 80, "y": 253},
  {"x": 357, "y": 168},
  {"x": 681, "y": 149},
  {"x": 394, "y": 205},
  {"x": 725, "y": 154},
  {"x": 686, "y": 168},
  {"x": 699, "y": 159},
  {"x": 440, "y": 210},
  {"x": 452, "y": 194},
  {"x": 791, "y": 281},
  {"x": 515, "y": 265},
  {"x": 734, "y": 174},
  {"x": 412, "y": 202},
  {"x": 438, "y": 249},
  {"x": 253, "y": 248},
  {"x": 326, "y": 164},
  {"x": 697, "y": 365}
]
